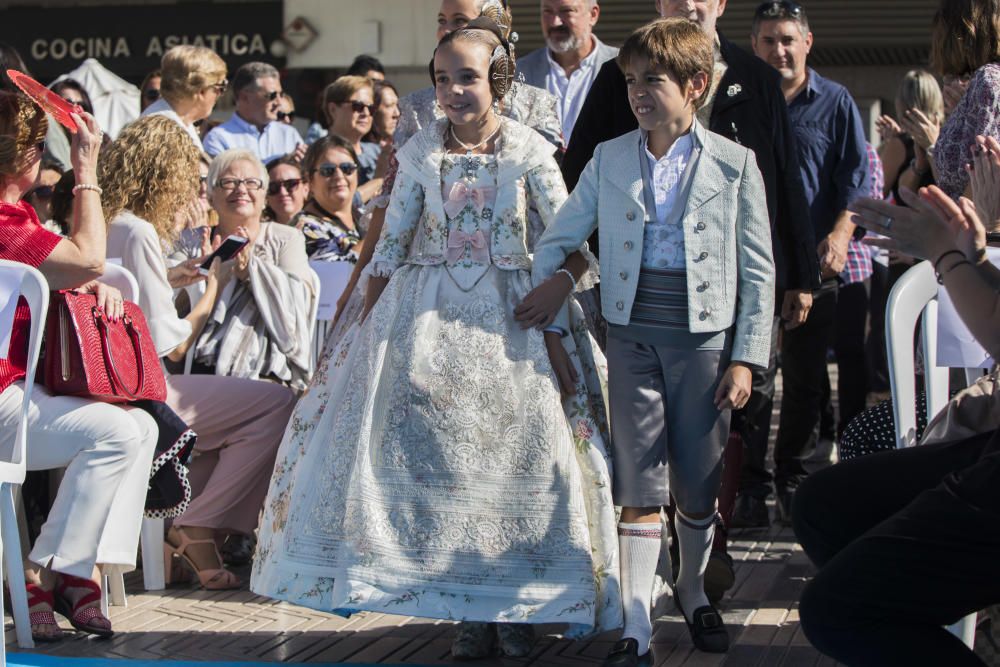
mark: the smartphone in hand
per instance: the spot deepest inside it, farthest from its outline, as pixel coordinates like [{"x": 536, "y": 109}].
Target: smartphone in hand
[{"x": 225, "y": 252}]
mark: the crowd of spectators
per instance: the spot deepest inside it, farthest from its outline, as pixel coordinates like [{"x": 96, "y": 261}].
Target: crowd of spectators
[{"x": 174, "y": 185}]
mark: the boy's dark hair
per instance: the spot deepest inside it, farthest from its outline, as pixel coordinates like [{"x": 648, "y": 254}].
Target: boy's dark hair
[
  {"x": 674, "y": 45},
  {"x": 364, "y": 64}
]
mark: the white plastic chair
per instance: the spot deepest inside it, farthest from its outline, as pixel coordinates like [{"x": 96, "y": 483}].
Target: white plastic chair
[
  {"x": 151, "y": 537},
  {"x": 915, "y": 293},
  {"x": 35, "y": 290}
]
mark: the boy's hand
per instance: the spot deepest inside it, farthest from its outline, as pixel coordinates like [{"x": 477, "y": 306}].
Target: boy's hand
[
  {"x": 561, "y": 363},
  {"x": 734, "y": 389},
  {"x": 542, "y": 304}
]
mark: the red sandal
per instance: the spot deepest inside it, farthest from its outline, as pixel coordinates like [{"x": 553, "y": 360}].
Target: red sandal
[
  {"x": 38, "y": 595},
  {"x": 81, "y": 617}
]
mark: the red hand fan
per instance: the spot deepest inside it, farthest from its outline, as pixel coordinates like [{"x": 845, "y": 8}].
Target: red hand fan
[{"x": 54, "y": 105}]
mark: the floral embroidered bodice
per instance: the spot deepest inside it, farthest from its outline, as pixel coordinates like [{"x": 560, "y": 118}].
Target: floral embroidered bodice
[{"x": 469, "y": 193}]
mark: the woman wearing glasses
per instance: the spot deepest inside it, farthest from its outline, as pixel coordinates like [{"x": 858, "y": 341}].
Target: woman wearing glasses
[
  {"x": 327, "y": 220},
  {"x": 239, "y": 422},
  {"x": 193, "y": 79},
  {"x": 287, "y": 190},
  {"x": 261, "y": 326},
  {"x": 349, "y": 103}
]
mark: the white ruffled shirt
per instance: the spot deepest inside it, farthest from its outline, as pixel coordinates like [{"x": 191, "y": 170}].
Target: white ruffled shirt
[{"x": 663, "y": 243}]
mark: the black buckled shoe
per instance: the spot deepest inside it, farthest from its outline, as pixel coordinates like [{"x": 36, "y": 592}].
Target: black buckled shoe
[
  {"x": 625, "y": 653},
  {"x": 708, "y": 632}
]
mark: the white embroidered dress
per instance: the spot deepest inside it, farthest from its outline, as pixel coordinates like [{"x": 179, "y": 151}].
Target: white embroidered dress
[{"x": 437, "y": 473}]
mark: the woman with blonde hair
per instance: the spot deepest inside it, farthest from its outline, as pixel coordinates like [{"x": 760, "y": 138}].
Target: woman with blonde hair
[
  {"x": 193, "y": 78},
  {"x": 904, "y": 159},
  {"x": 149, "y": 173},
  {"x": 106, "y": 449}
]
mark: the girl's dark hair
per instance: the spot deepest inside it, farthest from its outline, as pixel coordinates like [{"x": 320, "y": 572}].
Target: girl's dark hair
[
  {"x": 284, "y": 159},
  {"x": 320, "y": 146},
  {"x": 364, "y": 64},
  {"x": 62, "y": 200},
  {"x": 10, "y": 59},
  {"x": 72, "y": 84}
]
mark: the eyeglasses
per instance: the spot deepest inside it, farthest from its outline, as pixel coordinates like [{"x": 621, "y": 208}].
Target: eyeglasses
[
  {"x": 779, "y": 9},
  {"x": 359, "y": 107},
  {"x": 327, "y": 170},
  {"x": 289, "y": 184},
  {"x": 219, "y": 87},
  {"x": 152, "y": 94},
  {"x": 286, "y": 116},
  {"x": 41, "y": 192},
  {"x": 230, "y": 184}
]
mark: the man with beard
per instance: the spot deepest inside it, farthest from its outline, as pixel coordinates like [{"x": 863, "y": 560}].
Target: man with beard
[{"x": 571, "y": 58}]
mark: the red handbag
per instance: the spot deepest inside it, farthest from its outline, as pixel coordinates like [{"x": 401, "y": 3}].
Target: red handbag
[{"x": 89, "y": 356}]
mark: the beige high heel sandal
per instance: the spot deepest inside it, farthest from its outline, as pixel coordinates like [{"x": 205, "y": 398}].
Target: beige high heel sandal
[{"x": 211, "y": 579}]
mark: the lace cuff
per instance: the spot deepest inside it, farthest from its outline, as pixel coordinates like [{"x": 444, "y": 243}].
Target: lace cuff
[
  {"x": 592, "y": 276},
  {"x": 379, "y": 268}
]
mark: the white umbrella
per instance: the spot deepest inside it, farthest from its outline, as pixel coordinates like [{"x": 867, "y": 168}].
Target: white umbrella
[{"x": 115, "y": 100}]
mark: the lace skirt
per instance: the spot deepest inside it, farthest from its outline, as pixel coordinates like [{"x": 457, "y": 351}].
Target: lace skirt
[{"x": 433, "y": 470}]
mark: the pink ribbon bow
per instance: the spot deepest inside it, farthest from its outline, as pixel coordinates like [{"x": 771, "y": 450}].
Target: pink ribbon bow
[
  {"x": 457, "y": 241},
  {"x": 461, "y": 194}
]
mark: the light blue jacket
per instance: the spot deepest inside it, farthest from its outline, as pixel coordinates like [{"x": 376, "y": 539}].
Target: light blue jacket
[{"x": 727, "y": 238}]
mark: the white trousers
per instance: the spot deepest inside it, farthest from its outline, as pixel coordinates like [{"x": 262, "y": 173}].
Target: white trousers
[{"x": 107, "y": 451}]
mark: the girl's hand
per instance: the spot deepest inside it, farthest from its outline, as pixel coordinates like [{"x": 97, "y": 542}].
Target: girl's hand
[
  {"x": 984, "y": 176},
  {"x": 887, "y": 128},
  {"x": 923, "y": 130},
  {"x": 734, "y": 388},
  {"x": 85, "y": 146},
  {"x": 542, "y": 304},
  {"x": 109, "y": 299},
  {"x": 561, "y": 363}
]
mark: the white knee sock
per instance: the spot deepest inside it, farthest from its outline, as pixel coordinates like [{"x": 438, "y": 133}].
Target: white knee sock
[
  {"x": 694, "y": 541},
  {"x": 639, "y": 546}
]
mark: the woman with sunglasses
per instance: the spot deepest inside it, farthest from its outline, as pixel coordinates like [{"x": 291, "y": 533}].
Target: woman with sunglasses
[
  {"x": 40, "y": 195},
  {"x": 349, "y": 103},
  {"x": 327, "y": 220},
  {"x": 193, "y": 79},
  {"x": 287, "y": 190}
]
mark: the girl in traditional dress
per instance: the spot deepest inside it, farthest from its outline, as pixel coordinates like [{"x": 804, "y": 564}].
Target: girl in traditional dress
[{"x": 440, "y": 473}]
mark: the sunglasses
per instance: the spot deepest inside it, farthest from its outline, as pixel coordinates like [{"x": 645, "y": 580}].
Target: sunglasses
[
  {"x": 152, "y": 94},
  {"x": 779, "y": 9},
  {"x": 286, "y": 116},
  {"x": 220, "y": 87},
  {"x": 40, "y": 147},
  {"x": 289, "y": 184},
  {"x": 230, "y": 184},
  {"x": 41, "y": 192},
  {"x": 272, "y": 96},
  {"x": 359, "y": 107},
  {"x": 327, "y": 170}
]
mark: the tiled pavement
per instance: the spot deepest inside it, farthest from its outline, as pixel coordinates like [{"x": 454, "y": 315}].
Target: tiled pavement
[{"x": 190, "y": 624}]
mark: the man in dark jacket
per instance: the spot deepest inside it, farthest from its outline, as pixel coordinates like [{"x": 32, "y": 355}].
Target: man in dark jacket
[{"x": 745, "y": 105}]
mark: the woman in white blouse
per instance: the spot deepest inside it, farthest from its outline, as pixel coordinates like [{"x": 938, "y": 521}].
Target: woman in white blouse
[{"x": 239, "y": 422}]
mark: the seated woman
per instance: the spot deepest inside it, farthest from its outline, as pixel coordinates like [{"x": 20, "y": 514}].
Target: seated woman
[
  {"x": 193, "y": 78},
  {"x": 287, "y": 190},
  {"x": 904, "y": 559},
  {"x": 239, "y": 422},
  {"x": 261, "y": 325},
  {"x": 327, "y": 220},
  {"x": 106, "y": 449}
]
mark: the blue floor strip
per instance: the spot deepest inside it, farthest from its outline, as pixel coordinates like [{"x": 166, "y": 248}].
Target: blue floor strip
[{"x": 33, "y": 660}]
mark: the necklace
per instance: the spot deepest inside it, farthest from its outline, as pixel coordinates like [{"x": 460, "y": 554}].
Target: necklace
[{"x": 469, "y": 149}]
